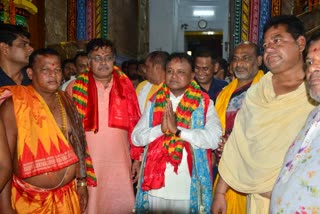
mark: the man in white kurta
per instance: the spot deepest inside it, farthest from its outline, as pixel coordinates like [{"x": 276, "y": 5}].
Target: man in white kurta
[{"x": 175, "y": 194}]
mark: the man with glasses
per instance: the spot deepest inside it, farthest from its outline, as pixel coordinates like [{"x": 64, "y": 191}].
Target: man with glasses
[
  {"x": 107, "y": 103},
  {"x": 272, "y": 113},
  {"x": 204, "y": 73},
  {"x": 15, "y": 50},
  {"x": 245, "y": 63}
]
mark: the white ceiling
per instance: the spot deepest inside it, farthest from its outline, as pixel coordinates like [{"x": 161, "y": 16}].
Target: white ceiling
[{"x": 186, "y": 8}]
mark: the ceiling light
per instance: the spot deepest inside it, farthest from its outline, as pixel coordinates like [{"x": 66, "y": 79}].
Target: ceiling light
[{"x": 203, "y": 13}]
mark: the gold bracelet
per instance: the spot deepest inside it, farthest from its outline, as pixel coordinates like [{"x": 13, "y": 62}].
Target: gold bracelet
[{"x": 81, "y": 183}]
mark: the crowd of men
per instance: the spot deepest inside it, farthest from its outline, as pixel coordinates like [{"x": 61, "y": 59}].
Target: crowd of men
[{"x": 83, "y": 136}]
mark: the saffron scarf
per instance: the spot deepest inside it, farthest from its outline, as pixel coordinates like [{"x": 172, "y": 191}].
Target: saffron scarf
[
  {"x": 41, "y": 147},
  {"x": 168, "y": 147},
  {"x": 124, "y": 110},
  {"x": 224, "y": 96}
]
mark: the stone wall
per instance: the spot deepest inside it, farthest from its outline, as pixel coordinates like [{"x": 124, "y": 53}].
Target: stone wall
[
  {"x": 123, "y": 26},
  {"x": 143, "y": 29},
  {"x": 56, "y": 21},
  {"x": 127, "y": 21}
]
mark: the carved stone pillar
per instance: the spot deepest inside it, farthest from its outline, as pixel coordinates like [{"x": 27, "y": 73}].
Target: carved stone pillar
[{"x": 143, "y": 29}]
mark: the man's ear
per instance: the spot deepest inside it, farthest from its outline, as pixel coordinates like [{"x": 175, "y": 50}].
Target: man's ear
[
  {"x": 301, "y": 41},
  {"x": 30, "y": 73},
  {"x": 3, "y": 47}
]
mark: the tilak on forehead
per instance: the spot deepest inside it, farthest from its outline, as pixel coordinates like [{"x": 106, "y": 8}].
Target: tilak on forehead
[{"x": 315, "y": 49}]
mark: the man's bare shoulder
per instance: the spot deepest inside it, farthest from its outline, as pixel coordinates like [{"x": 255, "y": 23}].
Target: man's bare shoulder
[{"x": 6, "y": 106}]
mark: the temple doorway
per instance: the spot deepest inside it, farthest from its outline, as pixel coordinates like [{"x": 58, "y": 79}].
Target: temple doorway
[{"x": 209, "y": 39}]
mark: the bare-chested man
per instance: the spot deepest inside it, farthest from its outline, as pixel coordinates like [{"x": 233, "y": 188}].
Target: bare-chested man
[{"x": 48, "y": 144}]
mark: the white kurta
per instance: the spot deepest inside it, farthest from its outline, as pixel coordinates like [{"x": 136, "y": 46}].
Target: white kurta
[
  {"x": 177, "y": 186},
  {"x": 143, "y": 95}
]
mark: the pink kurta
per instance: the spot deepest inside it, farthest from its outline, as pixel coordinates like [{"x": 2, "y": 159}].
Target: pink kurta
[{"x": 109, "y": 149}]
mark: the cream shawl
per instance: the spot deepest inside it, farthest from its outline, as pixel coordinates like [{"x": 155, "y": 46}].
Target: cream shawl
[
  {"x": 139, "y": 90},
  {"x": 264, "y": 128}
]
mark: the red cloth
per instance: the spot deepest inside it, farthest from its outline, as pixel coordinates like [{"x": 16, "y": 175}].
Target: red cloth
[
  {"x": 91, "y": 117},
  {"x": 157, "y": 156},
  {"x": 124, "y": 111}
]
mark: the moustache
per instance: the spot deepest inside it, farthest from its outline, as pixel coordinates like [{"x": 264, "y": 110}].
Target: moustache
[
  {"x": 236, "y": 69},
  {"x": 104, "y": 67},
  {"x": 315, "y": 74}
]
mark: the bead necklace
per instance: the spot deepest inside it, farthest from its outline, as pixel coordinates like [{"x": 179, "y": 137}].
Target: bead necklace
[{"x": 63, "y": 129}]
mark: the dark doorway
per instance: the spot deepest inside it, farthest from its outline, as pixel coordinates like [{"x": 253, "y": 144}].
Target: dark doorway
[{"x": 208, "y": 39}]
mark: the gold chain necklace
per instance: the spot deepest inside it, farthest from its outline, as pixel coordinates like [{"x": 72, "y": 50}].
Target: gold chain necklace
[
  {"x": 63, "y": 129},
  {"x": 63, "y": 115}
]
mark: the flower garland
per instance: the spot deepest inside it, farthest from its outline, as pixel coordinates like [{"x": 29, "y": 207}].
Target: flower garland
[
  {"x": 80, "y": 93},
  {"x": 80, "y": 90},
  {"x": 189, "y": 102}
]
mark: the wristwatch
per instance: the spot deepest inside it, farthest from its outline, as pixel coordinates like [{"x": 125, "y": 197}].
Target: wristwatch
[{"x": 178, "y": 133}]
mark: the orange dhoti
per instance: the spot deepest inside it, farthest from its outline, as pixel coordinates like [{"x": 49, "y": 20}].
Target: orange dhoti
[{"x": 29, "y": 199}]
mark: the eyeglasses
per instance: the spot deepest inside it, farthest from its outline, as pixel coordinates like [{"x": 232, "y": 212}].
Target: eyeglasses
[
  {"x": 205, "y": 69},
  {"x": 100, "y": 59}
]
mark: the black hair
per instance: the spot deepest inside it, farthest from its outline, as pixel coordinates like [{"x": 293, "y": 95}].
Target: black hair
[
  {"x": 223, "y": 64},
  {"x": 66, "y": 61},
  {"x": 181, "y": 56},
  {"x": 9, "y": 33},
  {"x": 158, "y": 57},
  {"x": 97, "y": 43},
  {"x": 204, "y": 52},
  {"x": 294, "y": 25},
  {"x": 79, "y": 54},
  {"x": 132, "y": 62}
]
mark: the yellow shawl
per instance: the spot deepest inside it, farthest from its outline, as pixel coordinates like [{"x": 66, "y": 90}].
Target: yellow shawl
[
  {"x": 154, "y": 88},
  {"x": 224, "y": 96},
  {"x": 264, "y": 128}
]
